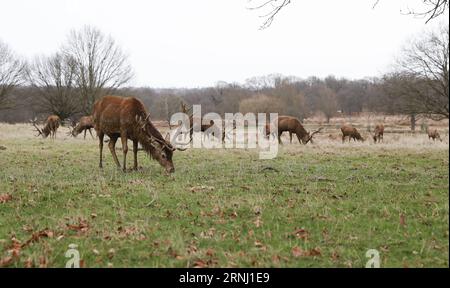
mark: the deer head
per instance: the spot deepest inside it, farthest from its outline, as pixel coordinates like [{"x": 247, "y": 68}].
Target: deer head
[
  {"x": 309, "y": 136},
  {"x": 160, "y": 149},
  {"x": 72, "y": 131}
]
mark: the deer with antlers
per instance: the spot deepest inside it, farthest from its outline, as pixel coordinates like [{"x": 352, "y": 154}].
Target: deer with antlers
[
  {"x": 293, "y": 126},
  {"x": 209, "y": 129},
  {"x": 127, "y": 118},
  {"x": 51, "y": 125},
  {"x": 85, "y": 124}
]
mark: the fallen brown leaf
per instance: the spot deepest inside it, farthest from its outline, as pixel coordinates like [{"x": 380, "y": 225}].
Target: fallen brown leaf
[
  {"x": 298, "y": 252},
  {"x": 4, "y": 262},
  {"x": 200, "y": 264},
  {"x": 43, "y": 262},
  {"x": 301, "y": 234},
  {"x": 5, "y": 198},
  {"x": 82, "y": 226},
  {"x": 28, "y": 263},
  {"x": 258, "y": 222},
  {"x": 402, "y": 219}
]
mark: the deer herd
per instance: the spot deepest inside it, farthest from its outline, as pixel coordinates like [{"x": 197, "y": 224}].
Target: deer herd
[{"x": 128, "y": 119}]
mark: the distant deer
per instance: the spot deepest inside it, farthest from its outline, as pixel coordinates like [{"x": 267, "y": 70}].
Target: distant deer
[
  {"x": 51, "y": 125},
  {"x": 433, "y": 134},
  {"x": 378, "y": 133},
  {"x": 85, "y": 124},
  {"x": 128, "y": 118},
  {"x": 293, "y": 126},
  {"x": 351, "y": 133},
  {"x": 208, "y": 129}
]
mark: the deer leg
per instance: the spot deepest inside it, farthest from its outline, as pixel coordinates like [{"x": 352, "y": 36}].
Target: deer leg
[
  {"x": 290, "y": 137},
  {"x": 223, "y": 136},
  {"x": 298, "y": 137},
  {"x": 123, "y": 137},
  {"x": 279, "y": 138},
  {"x": 85, "y": 134},
  {"x": 90, "y": 132},
  {"x": 343, "y": 138},
  {"x": 135, "y": 150},
  {"x": 112, "y": 148},
  {"x": 100, "y": 145}
]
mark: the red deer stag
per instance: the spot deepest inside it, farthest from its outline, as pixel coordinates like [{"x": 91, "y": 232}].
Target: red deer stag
[
  {"x": 128, "y": 118},
  {"x": 351, "y": 132},
  {"x": 293, "y": 126},
  {"x": 378, "y": 133},
  {"x": 433, "y": 134},
  {"x": 85, "y": 124},
  {"x": 204, "y": 127},
  {"x": 50, "y": 126}
]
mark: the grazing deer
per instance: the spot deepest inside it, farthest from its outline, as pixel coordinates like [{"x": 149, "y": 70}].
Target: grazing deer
[
  {"x": 128, "y": 118},
  {"x": 293, "y": 126},
  {"x": 204, "y": 127},
  {"x": 85, "y": 124},
  {"x": 378, "y": 133},
  {"x": 50, "y": 126},
  {"x": 351, "y": 132},
  {"x": 433, "y": 134}
]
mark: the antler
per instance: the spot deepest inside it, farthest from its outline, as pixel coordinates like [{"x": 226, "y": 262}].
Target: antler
[
  {"x": 33, "y": 121},
  {"x": 312, "y": 134},
  {"x": 142, "y": 122},
  {"x": 71, "y": 126}
]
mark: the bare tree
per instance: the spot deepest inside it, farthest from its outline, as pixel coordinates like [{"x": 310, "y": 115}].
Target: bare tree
[
  {"x": 423, "y": 73},
  {"x": 326, "y": 101},
  {"x": 404, "y": 96},
  {"x": 260, "y": 103},
  {"x": 54, "y": 81},
  {"x": 101, "y": 65},
  {"x": 11, "y": 74}
]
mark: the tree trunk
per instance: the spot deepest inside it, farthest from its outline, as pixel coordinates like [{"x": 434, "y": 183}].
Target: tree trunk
[{"x": 413, "y": 122}]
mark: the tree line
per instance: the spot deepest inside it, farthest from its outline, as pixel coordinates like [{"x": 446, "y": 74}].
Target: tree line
[{"x": 91, "y": 64}]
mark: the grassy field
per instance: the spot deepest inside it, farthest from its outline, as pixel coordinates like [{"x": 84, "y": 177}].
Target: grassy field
[{"x": 320, "y": 205}]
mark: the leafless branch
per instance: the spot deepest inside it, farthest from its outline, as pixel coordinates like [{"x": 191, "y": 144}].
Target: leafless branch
[
  {"x": 101, "y": 65},
  {"x": 274, "y": 7},
  {"x": 434, "y": 9},
  {"x": 11, "y": 74}
]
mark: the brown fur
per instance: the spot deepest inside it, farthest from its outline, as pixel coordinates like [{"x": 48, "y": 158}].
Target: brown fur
[
  {"x": 51, "y": 125},
  {"x": 203, "y": 127},
  {"x": 85, "y": 124},
  {"x": 378, "y": 133},
  {"x": 128, "y": 118},
  {"x": 434, "y": 134},
  {"x": 351, "y": 133},
  {"x": 293, "y": 126}
]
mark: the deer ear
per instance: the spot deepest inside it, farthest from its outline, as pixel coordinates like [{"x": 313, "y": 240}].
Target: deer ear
[{"x": 167, "y": 137}]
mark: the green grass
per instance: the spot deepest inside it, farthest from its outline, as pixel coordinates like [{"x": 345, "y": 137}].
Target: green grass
[{"x": 222, "y": 208}]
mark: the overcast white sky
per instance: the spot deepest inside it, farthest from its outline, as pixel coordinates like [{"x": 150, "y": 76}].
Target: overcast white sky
[{"x": 180, "y": 43}]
